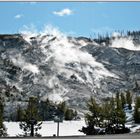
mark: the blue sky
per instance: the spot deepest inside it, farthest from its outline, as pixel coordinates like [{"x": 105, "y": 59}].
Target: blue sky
[{"x": 77, "y": 18}]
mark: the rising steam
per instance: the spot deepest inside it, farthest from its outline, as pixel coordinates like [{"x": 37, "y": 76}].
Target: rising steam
[
  {"x": 123, "y": 42},
  {"x": 60, "y": 51},
  {"x": 18, "y": 60}
]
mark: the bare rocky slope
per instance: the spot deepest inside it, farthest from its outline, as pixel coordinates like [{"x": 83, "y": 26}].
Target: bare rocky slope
[{"x": 65, "y": 68}]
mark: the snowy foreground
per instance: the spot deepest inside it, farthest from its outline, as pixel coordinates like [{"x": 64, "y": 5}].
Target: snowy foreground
[
  {"x": 67, "y": 128},
  {"x": 49, "y": 128}
]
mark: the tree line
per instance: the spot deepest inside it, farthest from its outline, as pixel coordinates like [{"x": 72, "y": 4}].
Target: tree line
[
  {"x": 30, "y": 119},
  {"x": 47, "y": 110},
  {"x": 109, "y": 116},
  {"x": 108, "y": 36}
]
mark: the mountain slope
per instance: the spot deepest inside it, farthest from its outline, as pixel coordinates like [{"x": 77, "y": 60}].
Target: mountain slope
[{"x": 63, "y": 68}]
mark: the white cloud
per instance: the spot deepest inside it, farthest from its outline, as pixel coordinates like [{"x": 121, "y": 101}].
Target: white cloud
[
  {"x": 18, "y": 16},
  {"x": 63, "y": 12}
]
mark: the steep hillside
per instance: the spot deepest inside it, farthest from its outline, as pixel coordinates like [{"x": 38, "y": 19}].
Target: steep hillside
[{"x": 61, "y": 68}]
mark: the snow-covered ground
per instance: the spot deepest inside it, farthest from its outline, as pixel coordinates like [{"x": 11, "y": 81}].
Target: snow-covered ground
[
  {"x": 133, "y": 127},
  {"x": 129, "y": 113},
  {"x": 67, "y": 128},
  {"x": 130, "y": 120},
  {"x": 49, "y": 128}
]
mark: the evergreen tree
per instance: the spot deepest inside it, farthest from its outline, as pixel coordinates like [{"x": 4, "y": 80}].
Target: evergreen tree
[
  {"x": 137, "y": 110},
  {"x": 66, "y": 112},
  {"x": 47, "y": 113},
  {"x": 19, "y": 114},
  {"x": 95, "y": 111},
  {"x": 61, "y": 110},
  {"x": 106, "y": 113},
  {"x": 30, "y": 119},
  {"x": 117, "y": 119},
  {"x": 69, "y": 114},
  {"x": 120, "y": 114},
  {"x": 123, "y": 100},
  {"x": 112, "y": 111},
  {"x": 62, "y": 107},
  {"x": 92, "y": 118},
  {"x": 3, "y": 132},
  {"x": 45, "y": 110},
  {"x": 129, "y": 99},
  {"x": 118, "y": 100},
  {"x": 109, "y": 115},
  {"x": 75, "y": 114}
]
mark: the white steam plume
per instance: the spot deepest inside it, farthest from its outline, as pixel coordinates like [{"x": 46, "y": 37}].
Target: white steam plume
[
  {"x": 124, "y": 42},
  {"x": 63, "y": 51},
  {"x": 19, "y": 61},
  {"x": 60, "y": 51}
]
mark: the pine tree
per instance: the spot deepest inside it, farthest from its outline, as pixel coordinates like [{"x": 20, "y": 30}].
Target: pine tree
[
  {"x": 65, "y": 112},
  {"x": 137, "y": 110},
  {"x": 117, "y": 117},
  {"x": 95, "y": 111},
  {"x": 106, "y": 113},
  {"x": 75, "y": 114},
  {"x": 62, "y": 107},
  {"x": 120, "y": 114},
  {"x": 44, "y": 110},
  {"x": 3, "y": 132},
  {"x": 69, "y": 114},
  {"x": 47, "y": 109},
  {"x": 123, "y": 100},
  {"x": 93, "y": 118},
  {"x": 19, "y": 114},
  {"x": 30, "y": 121},
  {"x": 129, "y": 99},
  {"x": 109, "y": 115},
  {"x": 118, "y": 100},
  {"x": 112, "y": 111},
  {"x": 61, "y": 110}
]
